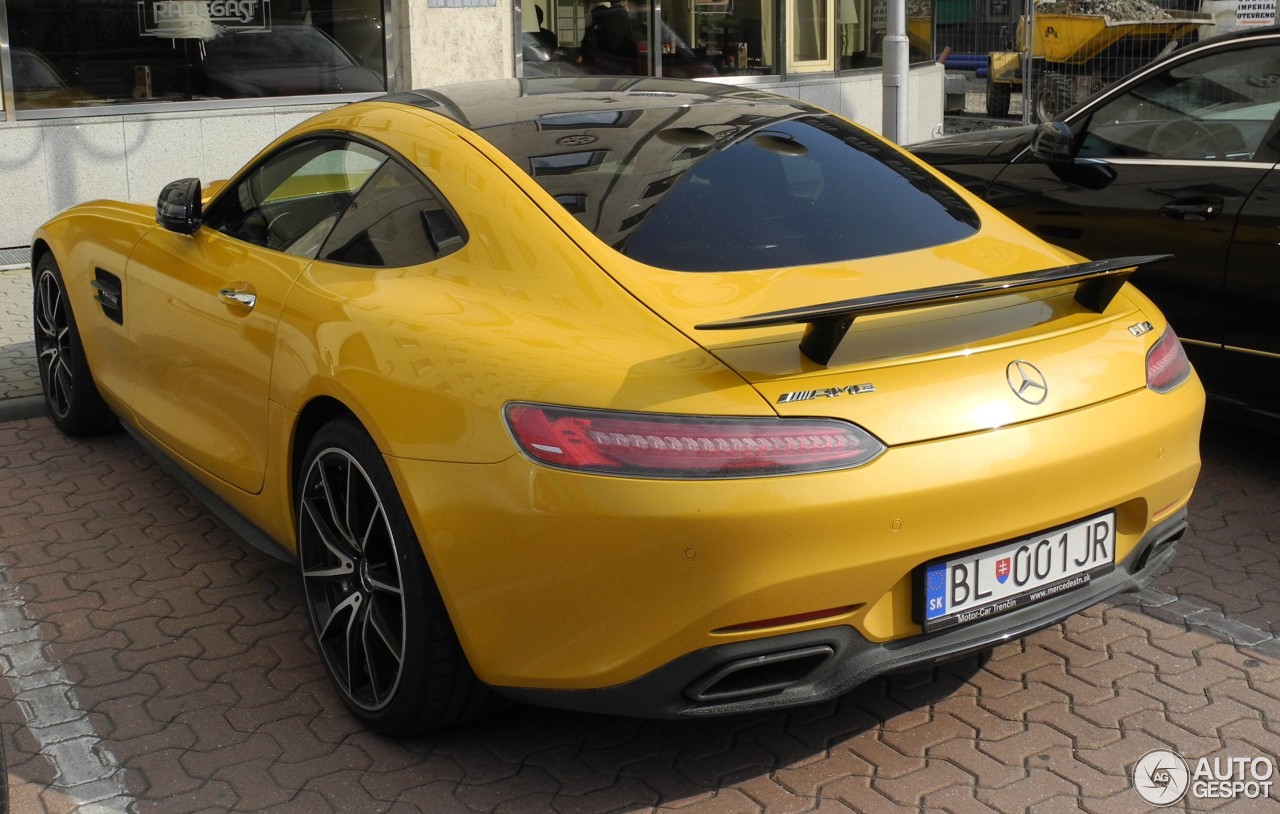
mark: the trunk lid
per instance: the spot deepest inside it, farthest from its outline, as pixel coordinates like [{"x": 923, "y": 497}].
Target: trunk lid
[{"x": 924, "y": 372}]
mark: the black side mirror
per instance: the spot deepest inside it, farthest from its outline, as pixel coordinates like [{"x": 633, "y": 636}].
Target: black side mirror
[
  {"x": 178, "y": 208},
  {"x": 1054, "y": 143}
]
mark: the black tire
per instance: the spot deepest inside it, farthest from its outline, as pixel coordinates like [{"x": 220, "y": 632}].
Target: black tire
[
  {"x": 999, "y": 95},
  {"x": 1054, "y": 95},
  {"x": 70, "y": 395},
  {"x": 377, "y": 614}
]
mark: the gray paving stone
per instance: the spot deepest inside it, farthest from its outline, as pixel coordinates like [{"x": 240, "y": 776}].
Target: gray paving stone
[
  {"x": 18, "y": 375},
  {"x": 157, "y": 664}
]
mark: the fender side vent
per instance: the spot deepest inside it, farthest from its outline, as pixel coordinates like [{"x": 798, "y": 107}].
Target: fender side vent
[{"x": 109, "y": 295}]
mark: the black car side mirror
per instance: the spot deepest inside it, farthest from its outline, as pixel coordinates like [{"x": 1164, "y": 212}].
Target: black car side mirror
[
  {"x": 178, "y": 209},
  {"x": 1054, "y": 143}
]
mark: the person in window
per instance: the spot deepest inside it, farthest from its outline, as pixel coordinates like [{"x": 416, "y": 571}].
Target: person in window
[
  {"x": 609, "y": 45},
  {"x": 545, "y": 36}
]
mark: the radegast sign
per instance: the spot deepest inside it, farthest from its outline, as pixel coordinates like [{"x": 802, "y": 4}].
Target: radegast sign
[{"x": 201, "y": 19}]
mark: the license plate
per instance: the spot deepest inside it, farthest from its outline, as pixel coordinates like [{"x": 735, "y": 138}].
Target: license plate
[{"x": 981, "y": 584}]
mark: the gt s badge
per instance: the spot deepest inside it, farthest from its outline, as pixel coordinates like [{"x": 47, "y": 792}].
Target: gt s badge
[
  {"x": 827, "y": 393},
  {"x": 1140, "y": 328}
]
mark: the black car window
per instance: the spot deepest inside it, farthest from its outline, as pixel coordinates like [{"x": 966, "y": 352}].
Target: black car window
[
  {"x": 291, "y": 200},
  {"x": 1218, "y": 107},
  {"x": 765, "y": 182},
  {"x": 797, "y": 192},
  {"x": 396, "y": 220}
]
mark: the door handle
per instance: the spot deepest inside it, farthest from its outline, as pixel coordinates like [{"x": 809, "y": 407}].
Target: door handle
[
  {"x": 238, "y": 296},
  {"x": 1194, "y": 209}
]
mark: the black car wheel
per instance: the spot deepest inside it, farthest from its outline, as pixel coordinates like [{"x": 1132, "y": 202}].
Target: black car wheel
[
  {"x": 378, "y": 617},
  {"x": 72, "y": 398},
  {"x": 999, "y": 96},
  {"x": 1054, "y": 95}
]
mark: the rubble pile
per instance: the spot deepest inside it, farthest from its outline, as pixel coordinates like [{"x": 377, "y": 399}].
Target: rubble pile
[{"x": 1112, "y": 9}]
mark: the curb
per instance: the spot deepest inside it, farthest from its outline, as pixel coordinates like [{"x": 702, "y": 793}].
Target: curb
[{"x": 22, "y": 408}]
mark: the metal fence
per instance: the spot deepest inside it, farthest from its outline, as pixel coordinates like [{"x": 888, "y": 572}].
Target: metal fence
[{"x": 1025, "y": 61}]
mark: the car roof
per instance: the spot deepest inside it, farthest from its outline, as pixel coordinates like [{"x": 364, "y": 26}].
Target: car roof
[
  {"x": 697, "y": 176},
  {"x": 481, "y": 105},
  {"x": 1238, "y": 34}
]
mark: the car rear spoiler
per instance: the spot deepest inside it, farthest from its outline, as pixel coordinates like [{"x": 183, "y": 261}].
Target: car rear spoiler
[{"x": 826, "y": 324}]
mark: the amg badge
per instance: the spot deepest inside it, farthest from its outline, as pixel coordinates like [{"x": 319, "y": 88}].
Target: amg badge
[{"x": 826, "y": 393}]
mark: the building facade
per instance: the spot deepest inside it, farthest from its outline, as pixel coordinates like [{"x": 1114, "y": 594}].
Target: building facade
[{"x": 115, "y": 98}]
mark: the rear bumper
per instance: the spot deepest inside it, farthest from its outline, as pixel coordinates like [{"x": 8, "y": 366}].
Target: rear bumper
[
  {"x": 803, "y": 668},
  {"x": 562, "y": 582}
]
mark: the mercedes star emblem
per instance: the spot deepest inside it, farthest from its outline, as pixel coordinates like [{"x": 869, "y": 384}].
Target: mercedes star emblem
[{"x": 1027, "y": 381}]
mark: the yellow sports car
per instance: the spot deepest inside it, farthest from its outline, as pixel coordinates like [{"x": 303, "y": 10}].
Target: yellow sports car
[{"x": 632, "y": 395}]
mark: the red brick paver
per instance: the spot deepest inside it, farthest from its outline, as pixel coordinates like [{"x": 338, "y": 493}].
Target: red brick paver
[{"x": 152, "y": 662}]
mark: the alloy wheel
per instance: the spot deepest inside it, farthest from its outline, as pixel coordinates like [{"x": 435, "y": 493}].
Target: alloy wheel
[
  {"x": 352, "y": 577},
  {"x": 53, "y": 343}
]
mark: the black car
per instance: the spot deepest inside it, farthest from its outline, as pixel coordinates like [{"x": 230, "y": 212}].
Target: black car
[{"x": 1179, "y": 157}]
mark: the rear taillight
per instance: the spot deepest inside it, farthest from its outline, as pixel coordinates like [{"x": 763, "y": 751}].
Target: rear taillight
[
  {"x": 1167, "y": 363},
  {"x": 652, "y": 445}
]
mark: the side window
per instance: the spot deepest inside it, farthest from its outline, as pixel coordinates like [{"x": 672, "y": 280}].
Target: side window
[
  {"x": 1219, "y": 107},
  {"x": 291, "y": 200},
  {"x": 396, "y": 220}
]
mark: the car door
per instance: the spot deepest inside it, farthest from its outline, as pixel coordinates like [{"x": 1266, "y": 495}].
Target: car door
[
  {"x": 1164, "y": 164},
  {"x": 1251, "y": 333},
  {"x": 207, "y": 305}
]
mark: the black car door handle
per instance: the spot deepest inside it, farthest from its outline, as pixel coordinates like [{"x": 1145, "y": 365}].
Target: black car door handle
[{"x": 1200, "y": 208}]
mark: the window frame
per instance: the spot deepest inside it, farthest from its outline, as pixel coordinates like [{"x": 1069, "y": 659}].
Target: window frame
[
  {"x": 796, "y": 65},
  {"x": 10, "y": 112},
  {"x": 1093, "y": 144},
  {"x": 414, "y": 171}
]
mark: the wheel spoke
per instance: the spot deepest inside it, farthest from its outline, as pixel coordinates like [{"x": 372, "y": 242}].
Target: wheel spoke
[
  {"x": 344, "y": 566},
  {"x": 336, "y": 514},
  {"x": 384, "y": 587},
  {"x": 46, "y": 317},
  {"x": 53, "y": 343},
  {"x": 349, "y": 495},
  {"x": 351, "y": 573},
  {"x": 348, "y": 608},
  {"x": 376, "y": 520},
  {"x": 48, "y": 331},
  {"x": 377, "y": 639},
  {"x": 59, "y": 390}
]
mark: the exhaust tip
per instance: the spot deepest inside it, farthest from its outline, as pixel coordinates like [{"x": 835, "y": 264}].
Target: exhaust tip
[{"x": 758, "y": 675}]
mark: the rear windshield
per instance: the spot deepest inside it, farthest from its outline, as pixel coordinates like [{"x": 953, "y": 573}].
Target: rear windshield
[{"x": 711, "y": 189}]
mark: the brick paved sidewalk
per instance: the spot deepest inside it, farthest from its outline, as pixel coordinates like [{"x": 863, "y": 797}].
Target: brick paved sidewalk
[
  {"x": 153, "y": 663},
  {"x": 19, "y": 379}
]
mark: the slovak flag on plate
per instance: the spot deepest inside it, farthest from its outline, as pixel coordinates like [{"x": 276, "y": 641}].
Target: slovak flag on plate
[{"x": 1002, "y": 570}]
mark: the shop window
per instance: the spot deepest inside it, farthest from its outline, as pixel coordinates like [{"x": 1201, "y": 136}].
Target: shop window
[
  {"x": 810, "y": 26},
  {"x": 695, "y": 39},
  {"x": 626, "y": 37},
  {"x": 88, "y": 53},
  {"x": 566, "y": 163},
  {"x": 861, "y": 26},
  {"x": 741, "y": 35}
]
